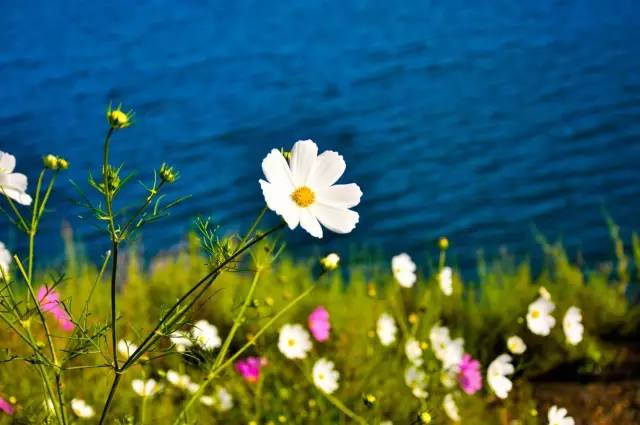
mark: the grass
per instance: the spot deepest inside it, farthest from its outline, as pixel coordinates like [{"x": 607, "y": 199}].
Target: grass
[{"x": 484, "y": 313}]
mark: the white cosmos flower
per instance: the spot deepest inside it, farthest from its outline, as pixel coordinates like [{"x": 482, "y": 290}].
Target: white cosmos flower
[
  {"x": 448, "y": 351},
  {"x": 497, "y": 375},
  {"x": 181, "y": 341},
  {"x": 82, "y": 409},
  {"x": 126, "y": 348},
  {"x": 221, "y": 399},
  {"x": 404, "y": 270},
  {"x": 5, "y": 260},
  {"x": 416, "y": 379},
  {"x": 325, "y": 376},
  {"x": 572, "y": 325},
  {"x": 516, "y": 345},
  {"x": 206, "y": 335},
  {"x": 14, "y": 185},
  {"x": 224, "y": 401},
  {"x": 558, "y": 416},
  {"x": 413, "y": 351},
  {"x": 450, "y": 408},
  {"x": 294, "y": 341},
  {"x": 146, "y": 388},
  {"x": 180, "y": 381},
  {"x": 304, "y": 192},
  {"x": 386, "y": 329},
  {"x": 539, "y": 318},
  {"x": 445, "y": 279}
]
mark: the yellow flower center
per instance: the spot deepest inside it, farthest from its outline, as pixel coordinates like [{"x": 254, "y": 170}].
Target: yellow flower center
[
  {"x": 303, "y": 196},
  {"x": 291, "y": 342},
  {"x": 535, "y": 314}
]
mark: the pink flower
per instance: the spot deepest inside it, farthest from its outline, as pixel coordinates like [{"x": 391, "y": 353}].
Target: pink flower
[
  {"x": 470, "y": 377},
  {"x": 319, "y": 324},
  {"x": 49, "y": 300},
  {"x": 6, "y": 407},
  {"x": 250, "y": 367}
]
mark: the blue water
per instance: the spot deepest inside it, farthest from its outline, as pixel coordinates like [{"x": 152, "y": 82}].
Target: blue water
[{"x": 470, "y": 119}]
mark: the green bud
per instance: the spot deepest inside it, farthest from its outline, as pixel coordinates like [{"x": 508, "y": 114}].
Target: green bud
[{"x": 168, "y": 174}]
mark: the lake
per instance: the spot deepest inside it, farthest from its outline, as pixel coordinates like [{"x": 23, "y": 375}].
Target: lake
[{"x": 475, "y": 120}]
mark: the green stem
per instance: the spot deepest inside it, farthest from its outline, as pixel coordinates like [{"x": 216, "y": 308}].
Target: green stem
[
  {"x": 344, "y": 409},
  {"x": 114, "y": 270},
  {"x": 143, "y": 410},
  {"x": 238, "y": 320},
  {"x": 112, "y": 393}
]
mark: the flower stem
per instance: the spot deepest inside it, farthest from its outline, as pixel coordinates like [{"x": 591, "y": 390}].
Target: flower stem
[
  {"x": 344, "y": 409},
  {"x": 114, "y": 270},
  {"x": 112, "y": 392}
]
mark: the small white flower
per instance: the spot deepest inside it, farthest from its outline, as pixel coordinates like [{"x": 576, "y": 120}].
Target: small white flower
[
  {"x": 223, "y": 401},
  {"x": 82, "y": 409},
  {"x": 192, "y": 387},
  {"x": 207, "y": 400},
  {"x": 325, "y": 376},
  {"x": 330, "y": 262},
  {"x": 404, "y": 270},
  {"x": 206, "y": 335},
  {"x": 386, "y": 329},
  {"x": 516, "y": 345},
  {"x": 450, "y": 408},
  {"x": 497, "y": 375},
  {"x": 5, "y": 261},
  {"x": 179, "y": 381},
  {"x": 146, "y": 388},
  {"x": 445, "y": 279},
  {"x": 181, "y": 341},
  {"x": 304, "y": 192},
  {"x": 294, "y": 341},
  {"x": 539, "y": 319},
  {"x": 13, "y": 185},
  {"x": 126, "y": 348},
  {"x": 572, "y": 325},
  {"x": 558, "y": 416},
  {"x": 416, "y": 379},
  {"x": 413, "y": 351},
  {"x": 448, "y": 351}
]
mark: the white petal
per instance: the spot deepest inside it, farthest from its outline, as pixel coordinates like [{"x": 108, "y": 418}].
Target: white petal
[
  {"x": 341, "y": 195},
  {"x": 328, "y": 169},
  {"x": 277, "y": 172},
  {"x": 7, "y": 162},
  {"x": 309, "y": 223},
  {"x": 303, "y": 159},
  {"x": 15, "y": 181},
  {"x": 19, "y": 197},
  {"x": 281, "y": 203},
  {"x": 138, "y": 386},
  {"x": 339, "y": 220}
]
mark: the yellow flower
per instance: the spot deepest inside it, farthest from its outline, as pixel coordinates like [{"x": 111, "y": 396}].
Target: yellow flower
[
  {"x": 118, "y": 119},
  {"x": 443, "y": 243}
]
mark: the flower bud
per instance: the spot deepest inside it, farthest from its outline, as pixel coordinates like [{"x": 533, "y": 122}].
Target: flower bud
[
  {"x": 118, "y": 119},
  {"x": 168, "y": 174},
  {"x": 443, "y": 243},
  {"x": 50, "y": 162},
  {"x": 330, "y": 262},
  {"x": 424, "y": 417},
  {"x": 63, "y": 164}
]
